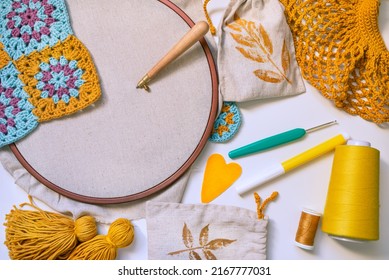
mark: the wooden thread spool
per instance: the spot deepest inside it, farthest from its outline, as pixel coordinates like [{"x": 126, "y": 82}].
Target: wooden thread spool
[{"x": 306, "y": 232}]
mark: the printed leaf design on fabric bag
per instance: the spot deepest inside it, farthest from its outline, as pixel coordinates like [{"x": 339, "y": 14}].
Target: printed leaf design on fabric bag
[
  {"x": 255, "y": 44},
  {"x": 203, "y": 239},
  {"x": 209, "y": 255},
  {"x": 285, "y": 58},
  {"x": 205, "y": 246},
  {"x": 194, "y": 256},
  {"x": 268, "y": 76},
  {"x": 187, "y": 237}
]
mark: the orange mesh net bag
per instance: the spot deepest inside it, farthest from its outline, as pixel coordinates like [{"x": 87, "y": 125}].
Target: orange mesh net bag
[{"x": 341, "y": 52}]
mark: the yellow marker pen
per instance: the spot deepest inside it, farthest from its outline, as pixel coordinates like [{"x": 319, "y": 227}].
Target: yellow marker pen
[{"x": 281, "y": 168}]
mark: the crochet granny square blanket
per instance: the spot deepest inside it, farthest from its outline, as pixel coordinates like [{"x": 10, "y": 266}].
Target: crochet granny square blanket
[{"x": 45, "y": 71}]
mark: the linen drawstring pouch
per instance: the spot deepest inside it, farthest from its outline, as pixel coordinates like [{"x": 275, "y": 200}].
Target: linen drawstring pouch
[
  {"x": 204, "y": 232},
  {"x": 82, "y": 15},
  {"x": 45, "y": 71},
  {"x": 256, "y": 57}
]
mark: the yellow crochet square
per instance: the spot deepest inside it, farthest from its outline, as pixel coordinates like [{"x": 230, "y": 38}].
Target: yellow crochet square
[
  {"x": 4, "y": 58},
  {"x": 60, "y": 80}
]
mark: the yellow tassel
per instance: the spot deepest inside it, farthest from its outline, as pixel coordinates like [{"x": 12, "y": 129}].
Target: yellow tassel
[
  {"x": 104, "y": 247},
  {"x": 42, "y": 235},
  {"x": 212, "y": 28}
]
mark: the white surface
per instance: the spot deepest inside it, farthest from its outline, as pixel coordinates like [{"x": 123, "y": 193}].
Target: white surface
[{"x": 304, "y": 187}]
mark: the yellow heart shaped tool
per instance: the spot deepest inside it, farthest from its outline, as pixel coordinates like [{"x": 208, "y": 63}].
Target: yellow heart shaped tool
[{"x": 218, "y": 177}]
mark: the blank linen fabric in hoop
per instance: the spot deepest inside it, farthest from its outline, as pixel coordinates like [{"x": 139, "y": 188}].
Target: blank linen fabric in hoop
[
  {"x": 256, "y": 57},
  {"x": 107, "y": 60},
  {"x": 204, "y": 231}
]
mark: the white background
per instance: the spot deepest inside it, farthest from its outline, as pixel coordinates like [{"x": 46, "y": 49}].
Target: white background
[{"x": 303, "y": 187}]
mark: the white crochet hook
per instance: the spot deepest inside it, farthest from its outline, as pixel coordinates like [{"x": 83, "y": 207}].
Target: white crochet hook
[{"x": 188, "y": 40}]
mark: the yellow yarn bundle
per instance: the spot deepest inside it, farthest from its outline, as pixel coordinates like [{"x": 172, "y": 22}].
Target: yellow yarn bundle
[
  {"x": 42, "y": 235},
  {"x": 101, "y": 247},
  {"x": 341, "y": 52}
]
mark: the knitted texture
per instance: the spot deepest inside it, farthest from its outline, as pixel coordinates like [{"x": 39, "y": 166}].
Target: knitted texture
[
  {"x": 227, "y": 123},
  {"x": 341, "y": 52},
  {"x": 46, "y": 72}
]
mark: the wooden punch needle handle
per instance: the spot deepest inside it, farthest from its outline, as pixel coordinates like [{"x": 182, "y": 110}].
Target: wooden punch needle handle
[{"x": 190, "y": 38}]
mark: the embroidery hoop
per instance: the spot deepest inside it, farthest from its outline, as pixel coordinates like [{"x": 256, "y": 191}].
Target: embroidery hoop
[{"x": 167, "y": 180}]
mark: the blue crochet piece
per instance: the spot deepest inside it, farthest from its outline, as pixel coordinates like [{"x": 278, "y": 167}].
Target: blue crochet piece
[
  {"x": 16, "y": 117},
  {"x": 227, "y": 123},
  {"x": 32, "y": 25}
]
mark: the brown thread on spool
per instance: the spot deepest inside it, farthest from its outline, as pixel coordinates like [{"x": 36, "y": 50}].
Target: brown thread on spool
[{"x": 306, "y": 232}]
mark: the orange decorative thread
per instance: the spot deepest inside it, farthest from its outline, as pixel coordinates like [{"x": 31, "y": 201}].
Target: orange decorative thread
[
  {"x": 212, "y": 28},
  {"x": 343, "y": 54},
  {"x": 305, "y": 235},
  {"x": 261, "y": 207},
  {"x": 4, "y": 58},
  {"x": 46, "y": 108}
]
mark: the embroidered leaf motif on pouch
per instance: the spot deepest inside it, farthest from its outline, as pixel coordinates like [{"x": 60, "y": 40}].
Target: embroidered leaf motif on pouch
[
  {"x": 205, "y": 246},
  {"x": 254, "y": 43}
]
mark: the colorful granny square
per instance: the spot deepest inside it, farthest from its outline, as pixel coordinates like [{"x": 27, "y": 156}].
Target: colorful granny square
[
  {"x": 62, "y": 78},
  {"x": 227, "y": 123},
  {"x": 16, "y": 117},
  {"x": 32, "y": 25},
  {"x": 46, "y": 72}
]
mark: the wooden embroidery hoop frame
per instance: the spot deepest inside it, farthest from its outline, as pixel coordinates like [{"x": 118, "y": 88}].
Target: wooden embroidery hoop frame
[{"x": 169, "y": 180}]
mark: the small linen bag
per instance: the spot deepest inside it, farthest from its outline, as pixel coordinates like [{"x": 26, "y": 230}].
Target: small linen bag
[
  {"x": 204, "y": 232},
  {"x": 256, "y": 56}
]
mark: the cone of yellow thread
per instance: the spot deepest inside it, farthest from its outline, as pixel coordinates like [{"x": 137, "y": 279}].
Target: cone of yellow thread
[
  {"x": 352, "y": 207},
  {"x": 105, "y": 247},
  {"x": 41, "y": 235}
]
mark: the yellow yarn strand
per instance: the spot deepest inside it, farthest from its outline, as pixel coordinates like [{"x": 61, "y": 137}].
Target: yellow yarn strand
[
  {"x": 352, "y": 205},
  {"x": 42, "y": 235},
  {"x": 212, "y": 28},
  {"x": 101, "y": 247},
  {"x": 261, "y": 207}
]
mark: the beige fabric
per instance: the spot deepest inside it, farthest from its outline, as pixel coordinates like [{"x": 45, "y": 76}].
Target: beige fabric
[
  {"x": 103, "y": 214},
  {"x": 94, "y": 153},
  {"x": 204, "y": 231},
  {"x": 254, "y": 36}
]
